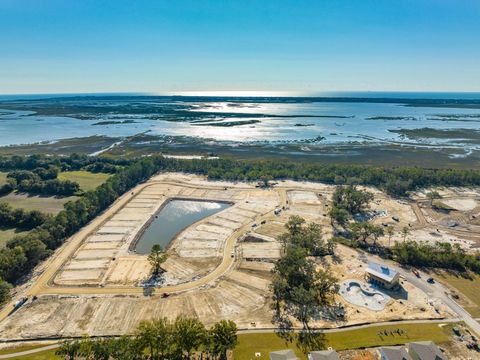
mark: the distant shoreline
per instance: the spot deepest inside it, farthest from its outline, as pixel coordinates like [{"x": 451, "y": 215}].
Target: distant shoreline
[{"x": 436, "y": 99}]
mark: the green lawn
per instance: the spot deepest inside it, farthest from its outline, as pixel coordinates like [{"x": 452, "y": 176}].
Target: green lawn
[
  {"x": 47, "y": 204},
  {"x": 3, "y": 178},
  {"x": 468, "y": 286},
  {"x": 20, "y": 348},
  {"x": 6, "y": 234},
  {"x": 86, "y": 180},
  {"x": 42, "y": 355},
  {"x": 264, "y": 343}
]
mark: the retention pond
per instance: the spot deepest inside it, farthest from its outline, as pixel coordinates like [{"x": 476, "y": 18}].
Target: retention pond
[{"x": 174, "y": 217}]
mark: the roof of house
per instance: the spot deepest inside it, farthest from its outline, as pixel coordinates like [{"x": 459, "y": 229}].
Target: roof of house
[
  {"x": 426, "y": 350},
  {"x": 283, "y": 355},
  {"x": 382, "y": 271},
  {"x": 324, "y": 355},
  {"x": 394, "y": 353}
]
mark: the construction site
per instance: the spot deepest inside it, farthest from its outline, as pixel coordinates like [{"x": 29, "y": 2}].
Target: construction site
[{"x": 219, "y": 267}]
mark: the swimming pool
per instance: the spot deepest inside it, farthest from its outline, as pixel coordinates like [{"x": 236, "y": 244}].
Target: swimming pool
[{"x": 361, "y": 294}]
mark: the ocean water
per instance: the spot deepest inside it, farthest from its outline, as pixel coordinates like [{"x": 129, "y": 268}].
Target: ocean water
[{"x": 281, "y": 121}]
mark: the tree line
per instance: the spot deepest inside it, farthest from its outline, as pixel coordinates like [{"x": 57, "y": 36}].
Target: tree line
[
  {"x": 64, "y": 163},
  {"x": 438, "y": 255},
  {"x": 37, "y": 174},
  {"x": 41, "y": 181},
  {"x": 159, "y": 339},
  {"x": 25, "y": 251},
  {"x": 348, "y": 201},
  {"x": 20, "y": 218},
  {"x": 395, "y": 181}
]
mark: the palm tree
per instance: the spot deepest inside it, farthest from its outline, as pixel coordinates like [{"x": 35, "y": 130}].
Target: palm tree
[
  {"x": 156, "y": 258},
  {"x": 189, "y": 334},
  {"x": 390, "y": 233},
  {"x": 224, "y": 337},
  {"x": 146, "y": 336},
  {"x": 70, "y": 350},
  {"x": 405, "y": 232}
]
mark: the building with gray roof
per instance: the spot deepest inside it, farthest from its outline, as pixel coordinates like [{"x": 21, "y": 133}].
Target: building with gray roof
[
  {"x": 394, "y": 353},
  {"x": 324, "y": 355},
  {"x": 425, "y": 350},
  {"x": 283, "y": 355}
]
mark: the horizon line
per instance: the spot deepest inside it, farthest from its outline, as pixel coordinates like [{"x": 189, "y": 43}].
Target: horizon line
[{"x": 242, "y": 93}]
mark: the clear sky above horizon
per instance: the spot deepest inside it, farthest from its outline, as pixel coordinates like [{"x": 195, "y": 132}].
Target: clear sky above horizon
[{"x": 58, "y": 46}]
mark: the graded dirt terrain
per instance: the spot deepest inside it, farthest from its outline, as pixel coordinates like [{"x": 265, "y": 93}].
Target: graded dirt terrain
[{"x": 219, "y": 267}]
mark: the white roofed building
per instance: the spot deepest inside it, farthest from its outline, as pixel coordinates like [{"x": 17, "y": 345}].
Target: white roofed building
[{"x": 382, "y": 275}]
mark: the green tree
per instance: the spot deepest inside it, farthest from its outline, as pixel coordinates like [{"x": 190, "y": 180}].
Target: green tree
[
  {"x": 189, "y": 334},
  {"x": 126, "y": 348},
  {"x": 351, "y": 199},
  {"x": 101, "y": 349},
  {"x": 338, "y": 216},
  {"x": 299, "y": 289},
  {"x": 5, "y": 288},
  {"x": 308, "y": 237},
  {"x": 377, "y": 231},
  {"x": 156, "y": 258},
  {"x": 146, "y": 335},
  {"x": 363, "y": 230},
  {"x": 390, "y": 232},
  {"x": 224, "y": 337},
  {"x": 405, "y": 232},
  {"x": 294, "y": 224},
  {"x": 70, "y": 350}
]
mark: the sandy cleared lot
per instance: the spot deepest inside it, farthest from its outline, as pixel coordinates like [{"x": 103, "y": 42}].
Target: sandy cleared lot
[
  {"x": 219, "y": 267},
  {"x": 105, "y": 258}
]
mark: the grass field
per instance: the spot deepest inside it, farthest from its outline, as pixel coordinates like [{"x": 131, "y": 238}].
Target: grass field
[
  {"x": 86, "y": 180},
  {"x": 19, "y": 348},
  {"x": 469, "y": 287},
  {"x": 3, "y": 178},
  {"x": 249, "y": 344},
  {"x": 6, "y": 234},
  {"x": 42, "y": 355},
  {"x": 48, "y": 204}
]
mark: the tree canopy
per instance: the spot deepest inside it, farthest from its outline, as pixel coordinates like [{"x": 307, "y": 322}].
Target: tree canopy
[
  {"x": 156, "y": 258},
  {"x": 159, "y": 339}
]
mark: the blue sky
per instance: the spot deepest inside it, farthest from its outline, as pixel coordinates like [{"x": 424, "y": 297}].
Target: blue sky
[{"x": 263, "y": 45}]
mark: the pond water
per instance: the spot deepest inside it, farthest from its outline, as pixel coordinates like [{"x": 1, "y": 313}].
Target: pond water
[{"x": 172, "y": 219}]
